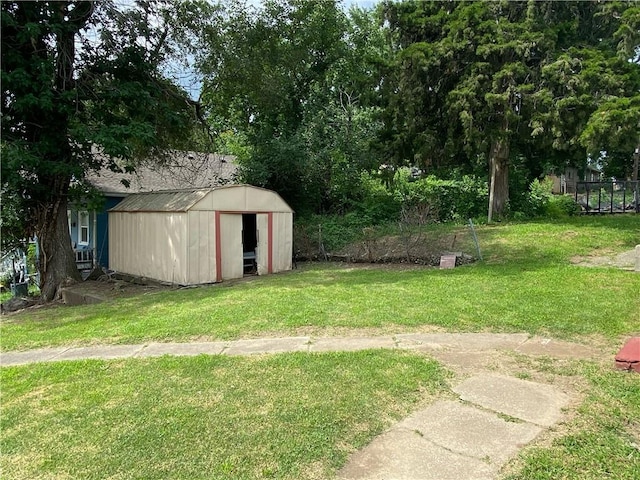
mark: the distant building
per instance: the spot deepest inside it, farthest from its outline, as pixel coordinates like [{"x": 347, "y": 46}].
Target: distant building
[{"x": 567, "y": 180}]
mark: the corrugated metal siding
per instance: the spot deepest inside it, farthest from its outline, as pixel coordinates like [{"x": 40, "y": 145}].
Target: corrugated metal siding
[
  {"x": 172, "y": 201},
  {"x": 282, "y": 241},
  {"x": 201, "y": 249},
  {"x": 231, "y": 248},
  {"x": 262, "y": 250},
  {"x": 151, "y": 245},
  {"x": 243, "y": 198}
]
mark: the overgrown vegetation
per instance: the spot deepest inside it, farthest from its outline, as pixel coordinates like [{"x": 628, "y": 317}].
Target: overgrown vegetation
[{"x": 399, "y": 203}]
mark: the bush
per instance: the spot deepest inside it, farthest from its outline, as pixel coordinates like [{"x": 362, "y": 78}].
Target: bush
[
  {"x": 450, "y": 200},
  {"x": 32, "y": 260},
  {"x": 328, "y": 232},
  {"x": 378, "y": 204},
  {"x": 542, "y": 202},
  {"x": 562, "y": 206},
  {"x": 6, "y": 279},
  {"x": 539, "y": 197}
]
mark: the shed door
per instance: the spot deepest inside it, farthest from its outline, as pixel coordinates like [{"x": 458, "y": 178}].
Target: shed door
[
  {"x": 262, "y": 251},
  {"x": 231, "y": 245}
]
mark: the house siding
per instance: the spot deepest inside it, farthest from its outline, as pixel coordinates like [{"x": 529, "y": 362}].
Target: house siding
[{"x": 102, "y": 232}]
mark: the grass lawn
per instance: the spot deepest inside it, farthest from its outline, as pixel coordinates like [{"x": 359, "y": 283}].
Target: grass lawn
[
  {"x": 527, "y": 283},
  {"x": 601, "y": 442},
  {"x": 291, "y": 416},
  {"x": 297, "y": 415}
]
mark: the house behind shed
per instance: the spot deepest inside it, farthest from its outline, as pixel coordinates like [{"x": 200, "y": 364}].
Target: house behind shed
[{"x": 197, "y": 236}]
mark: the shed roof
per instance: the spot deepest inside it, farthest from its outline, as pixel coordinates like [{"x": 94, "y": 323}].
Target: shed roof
[
  {"x": 166, "y": 201},
  {"x": 228, "y": 198}
]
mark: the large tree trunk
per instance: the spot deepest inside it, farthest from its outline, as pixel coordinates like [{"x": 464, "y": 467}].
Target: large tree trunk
[
  {"x": 499, "y": 178},
  {"x": 57, "y": 262}
]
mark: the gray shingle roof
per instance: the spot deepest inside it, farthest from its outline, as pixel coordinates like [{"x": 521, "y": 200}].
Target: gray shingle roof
[{"x": 183, "y": 170}]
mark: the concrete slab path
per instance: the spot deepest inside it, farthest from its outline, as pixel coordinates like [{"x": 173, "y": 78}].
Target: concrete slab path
[
  {"x": 469, "y": 438},
  {"x": 437, "y": 343}
]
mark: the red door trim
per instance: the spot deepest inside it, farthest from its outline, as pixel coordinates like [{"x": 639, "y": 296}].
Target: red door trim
[
  {"x": 218, "y": 247},
  {"x": 270, "y": 240}
]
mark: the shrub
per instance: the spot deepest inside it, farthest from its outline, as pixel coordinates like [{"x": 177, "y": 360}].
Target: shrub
[
  {"x": 448, "y": 199},
  {"x": 32, "y": 260},
  {"x": 539, "y": 197},
  {"x": 6, "y": 279},
  {"x": 328, "y": 232},
  {"x": 378, "y": 204},
  {"x": 562, "y": 206}
]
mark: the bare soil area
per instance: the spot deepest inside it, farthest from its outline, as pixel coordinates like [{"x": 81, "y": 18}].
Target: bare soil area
[
  {"x": 420, "y": 248},
  {"x": 91, "y": 291},
  {"x": 625, "y": 260}
]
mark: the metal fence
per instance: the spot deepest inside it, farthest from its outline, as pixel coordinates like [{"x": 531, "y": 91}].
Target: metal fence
[{"x": 608, "y": 196}]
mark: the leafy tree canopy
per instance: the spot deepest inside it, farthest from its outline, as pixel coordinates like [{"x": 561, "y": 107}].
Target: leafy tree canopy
[
  {"x": 487, "y": 83},
  {"x": 81, "y": 78},
  {"x": 291, "y": 88}
]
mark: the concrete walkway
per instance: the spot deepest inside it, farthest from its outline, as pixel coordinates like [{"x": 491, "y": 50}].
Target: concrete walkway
[
  {"x": 437, "y": 343},
  {"x": 470, "y": 437},
  {"x": 465, "y": 439}
]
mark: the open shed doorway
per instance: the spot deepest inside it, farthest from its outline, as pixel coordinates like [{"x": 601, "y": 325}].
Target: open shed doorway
[{"x": 249, "y": 243}]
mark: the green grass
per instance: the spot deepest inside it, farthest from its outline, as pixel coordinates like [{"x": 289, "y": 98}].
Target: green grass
[
  {"x": 4, "y": 296},
  {"x": 526, "y": 284},
  {"x": 291, "y": 416},
  {"x": 603, "y": 441},
  {"x": 297, "y": 415}
]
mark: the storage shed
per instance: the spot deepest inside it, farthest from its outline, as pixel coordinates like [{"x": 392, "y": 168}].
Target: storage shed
[{"x": 197, "y": 236}]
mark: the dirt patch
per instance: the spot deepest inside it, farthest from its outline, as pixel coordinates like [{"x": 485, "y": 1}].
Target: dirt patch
[
  {"x": 105, "y": 290},
  {"x": 625, "y": 260},
  {"x": 423, "y": 248},
  {"x": 95, "y": 291}
]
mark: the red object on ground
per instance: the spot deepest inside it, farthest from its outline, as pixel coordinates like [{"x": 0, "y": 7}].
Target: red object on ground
[{"x": 628, "y": 358}]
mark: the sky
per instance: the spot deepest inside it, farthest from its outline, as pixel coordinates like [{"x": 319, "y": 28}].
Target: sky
[{"x": 367, "y": 4}]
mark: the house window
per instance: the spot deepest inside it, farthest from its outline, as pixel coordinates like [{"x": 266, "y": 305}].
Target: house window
[{"x": 83, "y": 228}]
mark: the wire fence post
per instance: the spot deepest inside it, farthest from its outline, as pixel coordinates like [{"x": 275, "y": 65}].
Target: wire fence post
[
  {"x": 322, "y": 251},
  {"x": 475, "y": 239}
]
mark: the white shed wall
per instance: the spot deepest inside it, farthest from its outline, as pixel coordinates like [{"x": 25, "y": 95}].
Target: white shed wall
[
  {"x": 149, "y": 244},
  {"x": 242, "y": 198},
  {"x": 201, "y": 249},
  {"x": 262, "y": 250},
  {"x": 231, "y": 246},
  {"x": 282, "y": 241}
]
